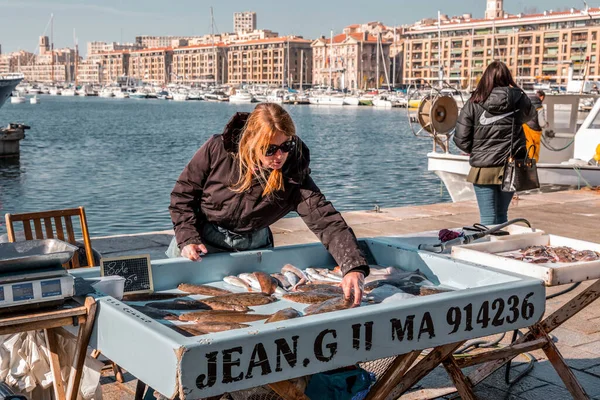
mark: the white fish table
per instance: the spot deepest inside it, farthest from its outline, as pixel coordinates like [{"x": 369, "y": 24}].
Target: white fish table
[{"x": 212, "y": 364}]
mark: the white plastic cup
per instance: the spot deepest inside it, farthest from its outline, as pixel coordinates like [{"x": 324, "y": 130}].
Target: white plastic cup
[{"x": 110, "y": 285}]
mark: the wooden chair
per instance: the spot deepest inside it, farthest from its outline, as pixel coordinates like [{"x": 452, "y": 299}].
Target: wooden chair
[{"x": 55, "y": 224}]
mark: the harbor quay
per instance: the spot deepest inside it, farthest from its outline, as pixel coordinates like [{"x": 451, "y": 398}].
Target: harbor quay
[{"x": 571, "y": 214}]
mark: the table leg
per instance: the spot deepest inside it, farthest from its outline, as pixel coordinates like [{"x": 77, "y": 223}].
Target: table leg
[
  {"x": 52, "y": 344},
  {"x": 463, "y": 386},
  {"x": 392, "y": 375},
  {"x": 564, "y": 371},
  {"x": 83, "y": 339}
]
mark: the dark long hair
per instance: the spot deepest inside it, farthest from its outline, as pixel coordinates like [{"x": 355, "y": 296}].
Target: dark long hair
[{"x": 496, "y": 74}]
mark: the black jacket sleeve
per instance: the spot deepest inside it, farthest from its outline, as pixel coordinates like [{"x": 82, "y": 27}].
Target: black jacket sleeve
[
  {"x": 186, "y": 195},
  {"x": 465, "y": 128},
  {"x": 328, "y": 224},
  {"x": 528, "y": 110}
]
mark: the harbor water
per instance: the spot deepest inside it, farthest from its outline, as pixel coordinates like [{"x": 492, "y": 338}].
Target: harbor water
[{"x": 119, "y": 158}]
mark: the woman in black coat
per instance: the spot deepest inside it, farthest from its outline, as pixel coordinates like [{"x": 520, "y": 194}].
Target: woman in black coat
[{"x": 496, "y": 111}]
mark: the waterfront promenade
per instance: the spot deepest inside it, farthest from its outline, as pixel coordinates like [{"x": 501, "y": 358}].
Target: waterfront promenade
[{"x": 574, "y": 214}]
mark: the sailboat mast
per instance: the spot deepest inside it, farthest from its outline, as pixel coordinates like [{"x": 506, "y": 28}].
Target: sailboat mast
[
  {"x": 394, "y": 61},
  {"x": 330, "y": 58},
  {"x": 76, "y": 56},
  {"x": 301, "y": 68},
  {"x": 52, "y": 47},
  {"x": 377, "y": 53},
  {"x": 440, "y": 63},
  {"x": 212, "y": 34}
]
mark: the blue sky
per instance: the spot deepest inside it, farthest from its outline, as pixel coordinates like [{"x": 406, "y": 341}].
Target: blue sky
[{"x": 22, "y": 21}]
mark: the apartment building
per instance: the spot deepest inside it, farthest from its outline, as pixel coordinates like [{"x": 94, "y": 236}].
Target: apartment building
[
  {"x": 538, "y": 48},
  {"x": 11, "y": 62},
  {"x": 47, "y": 73},
  {"x": 151, "y": 65},
  {"x": 89, "y": 71},
  {"x": 356, "y": 60},
  {"x": 105, "y": 47},
  {"x": 244, "y": 21},
  {"x": 275, "y": 61},
  {"x": 149, "y": 42},
  {"x": 111, "y": 65},
  {"x": 200, "y": 64}
]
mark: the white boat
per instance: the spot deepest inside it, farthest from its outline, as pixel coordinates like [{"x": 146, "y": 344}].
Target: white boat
[
  {"x": 180, "y": 96},
  {"x": 68, "y": 92},
  {"x": 54, "y": 91},
  {"x": 106, "y": 92},
  {"x": 327, "y": 100},
  {"x": 34, "y": 90},
  {"x": 85, "y": 90},
  {"x": 119, "y": 94},
  {"x": 566, "y": 160},
  {"x": 351, "y": 101},
  {"x": 138, "y": 94},
  {"x": 17, "y": 98},
  {"x": 382, "y": 101},
  {"x": 34, "y": 100},
  {"x": 195, "y": 95},
  {"x": 241, "y": 96}
]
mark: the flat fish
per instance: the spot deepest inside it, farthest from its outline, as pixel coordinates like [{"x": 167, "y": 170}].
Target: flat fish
[
  {"x": 335, "y": 304},
  {"x": 291, "y": 277},
  {"x": 202, "y": 289},
  {"x": 398, "y": 297},
  {"x": 222, "y": 316},
  {"x": 211, "y": 327},
  {"x": 155, "y": 313},
  {"x": 244, "y": 299},
  {"x": 281, "y": 315},
  {"x": 216, "y": 305},
  {"x": 237, "y": 282},
  {"x": 153, "y": 296},
  {"x": 282, "y": 280},
  {"x": 429, "y": 290},
  {"x": 320, "y": 287},
  {"x": 179, "y": 305},
  {"x": 311, "y": 297},
  {"x": 188, "y": 330},
  {"x": 383, "y": 292},
  {"x": 302, "y": 278},
  {"x": 251, "y": 280},
  {"x": 267, "y": 283},
  {"x": 586, "y": 255}
]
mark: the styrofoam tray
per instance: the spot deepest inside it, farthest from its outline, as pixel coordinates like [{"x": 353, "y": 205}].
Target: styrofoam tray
[{"x": 551, "y": 273}]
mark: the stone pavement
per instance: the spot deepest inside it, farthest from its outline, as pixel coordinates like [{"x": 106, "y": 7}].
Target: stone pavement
[{"x": 574, "y": 214}]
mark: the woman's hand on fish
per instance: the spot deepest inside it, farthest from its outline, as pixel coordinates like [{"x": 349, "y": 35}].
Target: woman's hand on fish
[
  {"x": 354, "y": 281},
  {"x": 193, "y": 251}
]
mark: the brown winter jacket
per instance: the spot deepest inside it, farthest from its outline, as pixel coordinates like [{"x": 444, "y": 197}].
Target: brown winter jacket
[{"x": 203, "y": 194}]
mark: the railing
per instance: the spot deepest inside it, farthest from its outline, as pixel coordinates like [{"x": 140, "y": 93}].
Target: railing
[{"x": 12, "y": 75}]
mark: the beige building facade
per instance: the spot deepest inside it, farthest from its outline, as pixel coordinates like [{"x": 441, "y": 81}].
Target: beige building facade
[
  {"x": 285, "y": 61},
  {"x": 352, "y": 61},
  {"x": 537, "y": 48},
  {"x": 47, "y": 73},
  {"x": 111, "y": 66},
  {"x": 88, "y": 71},
  {"x": 151, "y": 65},
  {"x": 200, "y": 64},
  {"x": 105, "y": 47},
  {"x": 244, "y": 21}
]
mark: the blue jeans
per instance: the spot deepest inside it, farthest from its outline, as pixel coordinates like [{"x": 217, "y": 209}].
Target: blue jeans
[{"x": 493, "y": 204}]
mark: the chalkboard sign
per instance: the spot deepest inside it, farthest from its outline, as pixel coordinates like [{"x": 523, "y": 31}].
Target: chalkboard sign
[{"x": 135, "y": 269}]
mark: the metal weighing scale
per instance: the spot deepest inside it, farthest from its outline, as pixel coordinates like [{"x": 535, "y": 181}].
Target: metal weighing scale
[{"x": 32, "y": 275}]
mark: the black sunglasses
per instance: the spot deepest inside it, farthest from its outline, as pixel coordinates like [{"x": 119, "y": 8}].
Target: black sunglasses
[{"x": 285, "y": 147}]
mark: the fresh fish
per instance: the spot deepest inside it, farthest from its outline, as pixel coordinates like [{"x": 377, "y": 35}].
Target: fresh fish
[
  {"x": 323, "y": 282},
  {"x": 179, "y": 305},
  {"x": 429, "y": 290},
  {"x": 337, "y": 270},
  {"x": 245, "y": 299},
  {"x": 202, "y": 289},
  {"x": 217, "y": 305},
  {"x": 267, "y": 283},
  {"x": 333, "y": 277},
  {"x": 302, "y": 278},
  {"x": 334, "y": 304},
  {"x": 319, "y": 287},
  {"x": 587, "y": 255},
  {"x": 221, "y": 316},
  {"x": 251, "y": 280},
  {"x": 237, "y": 282},
  {"x": 292, "y": 278},
  {"x": 153, "y": 296},
  {"x": 310, "y": 297},
  {"x": 282, "y": 280},
  {"x": 188, "y": 330},
  {"x": 322, "y": 271},
  {"x": 211, "y": 327},
  {"x": 281, "y": 315},
  {"x": 313, "y": 274},
  {"x": 155, "y": 313}
]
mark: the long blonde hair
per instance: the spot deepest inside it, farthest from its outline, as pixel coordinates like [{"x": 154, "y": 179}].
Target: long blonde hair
[{"x": 264, "y": 122}]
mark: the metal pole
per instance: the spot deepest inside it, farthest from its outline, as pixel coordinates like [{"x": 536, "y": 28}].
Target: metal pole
[
  {"x": 377, "y": 62},
  {"x": 301, "y": 68},
  {"x": 330, "y": 58},
  {"x": 394, "y": 62}
]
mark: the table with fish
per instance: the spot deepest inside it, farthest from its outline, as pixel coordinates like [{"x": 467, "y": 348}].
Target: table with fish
[
  {"x": 532, "y": 253},
  {"x": 241, "y": 320}
]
